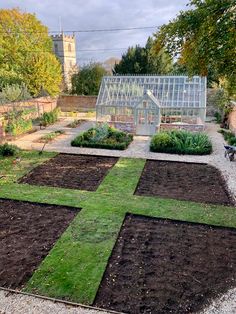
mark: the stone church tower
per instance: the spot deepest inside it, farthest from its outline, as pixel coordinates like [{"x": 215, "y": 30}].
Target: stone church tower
[{"x": 64, "y": 49}]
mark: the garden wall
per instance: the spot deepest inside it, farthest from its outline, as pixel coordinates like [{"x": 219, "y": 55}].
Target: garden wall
[
  {"x": 41, "y": 105},
  {"x": 2, "y": 132},
  {"x": 187, "y": 127},
  {"x": 75, "y": 103},
  {"x": 232, "y": 119}
]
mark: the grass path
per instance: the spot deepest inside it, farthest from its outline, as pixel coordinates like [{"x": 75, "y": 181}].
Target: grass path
[{"x": 74, "y": 267}]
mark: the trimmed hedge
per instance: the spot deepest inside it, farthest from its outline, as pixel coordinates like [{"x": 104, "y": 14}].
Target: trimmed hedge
[
  {"x": 103, "y": 136},
  {"x": 181, "y": 142}
]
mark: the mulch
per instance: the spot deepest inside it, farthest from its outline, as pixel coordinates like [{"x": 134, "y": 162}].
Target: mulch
[
  {"x": 28, "y": 231},
  {"x": 184, "y": 181},
  {"x": 166, "y": 266},
  {"x": 82, "y": 172}
]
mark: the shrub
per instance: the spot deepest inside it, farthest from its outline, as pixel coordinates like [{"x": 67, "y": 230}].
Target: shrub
[
  {"x": 229, "y": 137},
  {"x": 50, "y": 136},
  {"x": 50, "y": 117},
  {"x": 103, "y": 136},
  {"x": 17, "y": 122},
  {"x": 9, "y": 150},
  {"x": 181, "y": 142}
]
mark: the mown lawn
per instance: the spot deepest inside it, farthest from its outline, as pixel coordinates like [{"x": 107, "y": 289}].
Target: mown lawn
[{"x": 75, "y": 266}]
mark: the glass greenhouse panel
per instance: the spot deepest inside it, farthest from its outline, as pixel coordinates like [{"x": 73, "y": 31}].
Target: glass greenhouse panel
[{"x": 146, "y": 102}]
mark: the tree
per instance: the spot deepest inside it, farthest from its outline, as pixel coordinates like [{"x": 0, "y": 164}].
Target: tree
[
  {"x": 204, "y": 40},
  {"x": 87, "y": 81},
  {"x": 26, "y": 53},
  {"x": 144, "y": 60}
]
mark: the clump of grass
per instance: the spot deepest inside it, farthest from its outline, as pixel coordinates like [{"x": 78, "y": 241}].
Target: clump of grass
[
  {"x": 181, "y": 142},
  {"x": 103, "y": 136},
  {"x": 229, "y": 137},
  {"x": 75, "y": 123},
  {"x": 50, "y": 136}
]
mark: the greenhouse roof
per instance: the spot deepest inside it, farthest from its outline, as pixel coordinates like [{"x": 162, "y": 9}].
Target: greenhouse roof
[{"x": 165, "y": 91}]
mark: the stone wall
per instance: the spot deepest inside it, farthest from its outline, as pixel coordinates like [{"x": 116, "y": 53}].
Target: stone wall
[
  {"x": 187, "y": 127},
  {"x": 77, "y": 103},
  {"x": 232, "y": 119}
]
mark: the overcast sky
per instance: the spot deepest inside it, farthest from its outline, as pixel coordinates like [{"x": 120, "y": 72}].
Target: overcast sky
[{"x": 102, "y": 14}]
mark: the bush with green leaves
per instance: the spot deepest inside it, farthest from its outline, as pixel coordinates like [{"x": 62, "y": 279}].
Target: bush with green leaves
[
  {"x": 103, "y": 136},
  {"x": 50, "y": 117},
  {"x": 50, "y": 136},
  {"x": 7, "y": 150},
  {"x": 229, "y": 137},
  {"x": 181, "y": 142},
  {"x": 18, "y": 122}
]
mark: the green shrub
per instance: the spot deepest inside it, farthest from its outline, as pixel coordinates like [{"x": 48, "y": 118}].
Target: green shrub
[
  {"x": 229, "y": 137},
  {"x": 181, "y": 142},
  {"x": 7, "y": 150},
  {"x": 17, "y": 124},
  {"x": 103, "y": 136},
  {"x": 50, "y": 136},
  {"x": 50, "y": 117}
]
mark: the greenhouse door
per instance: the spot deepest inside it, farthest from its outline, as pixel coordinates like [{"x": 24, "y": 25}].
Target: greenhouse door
[{"x": 146, "y": 120}]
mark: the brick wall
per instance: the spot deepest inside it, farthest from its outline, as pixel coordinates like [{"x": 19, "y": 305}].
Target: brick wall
[
  {"x": 2, "y": 132},
  {"x": 124, "y": 126},
  {"x": 77, "y": 103},
  {"x": 41, "y": 105},
  {"x": 232, "y": 119}
]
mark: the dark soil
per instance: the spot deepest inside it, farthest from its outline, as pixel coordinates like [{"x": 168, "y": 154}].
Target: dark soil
[
  {"x": 164, "y": 266},
  {"x": 185, "y": 181},
  {"x": 71, "y": 171},
  {"x": 28, "y": 231}
]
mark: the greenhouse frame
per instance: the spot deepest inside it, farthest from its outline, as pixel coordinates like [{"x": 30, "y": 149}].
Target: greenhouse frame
[{"x": 145, "y": 104}]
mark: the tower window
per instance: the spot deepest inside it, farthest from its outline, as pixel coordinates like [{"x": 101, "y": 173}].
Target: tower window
[
  {"x": 69, "y": 47},
  {"x": 56, "y": 48}
]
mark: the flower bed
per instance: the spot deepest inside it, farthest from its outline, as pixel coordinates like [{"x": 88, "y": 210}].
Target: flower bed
[
  {"x": 181, "y": 142},
  {"x": 103, "y": 136}
]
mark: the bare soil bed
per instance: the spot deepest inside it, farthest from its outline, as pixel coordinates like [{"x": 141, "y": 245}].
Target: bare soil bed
[
  {"x": 28, "y": 231},
  {"x": 166, "y": 266},
  {"x": 71, "y": 171},
  {"x": 185, "y": 181}
]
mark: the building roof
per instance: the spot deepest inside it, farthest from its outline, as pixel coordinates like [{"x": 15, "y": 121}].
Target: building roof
[{"x": 166, "y": 91}]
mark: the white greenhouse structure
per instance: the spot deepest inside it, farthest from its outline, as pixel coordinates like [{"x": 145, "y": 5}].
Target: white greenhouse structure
[{"x": 144, "y": 104}]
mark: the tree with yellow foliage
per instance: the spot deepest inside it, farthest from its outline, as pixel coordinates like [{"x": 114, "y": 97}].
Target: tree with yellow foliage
[{"x": 26, "y": 54}]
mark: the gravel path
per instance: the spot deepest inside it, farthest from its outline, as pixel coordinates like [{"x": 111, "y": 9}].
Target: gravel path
[{"x": 15, "y": 303}]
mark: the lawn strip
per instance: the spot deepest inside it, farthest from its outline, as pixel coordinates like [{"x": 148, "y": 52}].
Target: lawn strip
[{"x": 123, "y": 177}]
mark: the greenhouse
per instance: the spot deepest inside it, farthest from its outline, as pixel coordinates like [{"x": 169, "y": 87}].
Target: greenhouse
[{"x": 145, "y": 104}]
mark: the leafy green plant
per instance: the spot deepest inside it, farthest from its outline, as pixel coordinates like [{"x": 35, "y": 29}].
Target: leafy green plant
[
  {"x": 50, "y": 117},
  {"x": 50, "y": 136},
  {"x": 181, "y": 142},
  {"x": 7, "y": 150},
  {"x": 103, "y": 136},
  {"x": 229, "y": 137},
  {"x": 18, "y": 122},
  {"x": 75, "y": 123}
]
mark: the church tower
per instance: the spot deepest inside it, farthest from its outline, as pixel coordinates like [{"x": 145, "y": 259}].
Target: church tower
[{"x": 64, "y": 49}]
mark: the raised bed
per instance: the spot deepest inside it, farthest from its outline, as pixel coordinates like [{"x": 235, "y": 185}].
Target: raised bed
[
  {"x": 28, "y": 231},
  {"x": 184, "y": 181},
  {"x": 82, "y": 172},
  {"x": 165, "y": 266}
]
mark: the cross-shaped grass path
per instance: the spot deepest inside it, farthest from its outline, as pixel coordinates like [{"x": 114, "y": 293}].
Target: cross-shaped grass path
[{"x": 75, "y": 266}]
